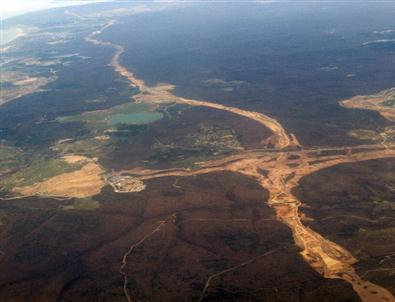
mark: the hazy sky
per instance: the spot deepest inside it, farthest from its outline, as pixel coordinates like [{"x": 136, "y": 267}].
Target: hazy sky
[{"x": 10, "y": 8}]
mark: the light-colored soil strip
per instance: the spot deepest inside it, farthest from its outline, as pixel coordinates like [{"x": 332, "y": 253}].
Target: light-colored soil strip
[
  {"x": 132, "y": 248},
  {"x": 84, "y": 182},
  {"x": 231, "y": 269},
  {"x": 373, "y": 102}
]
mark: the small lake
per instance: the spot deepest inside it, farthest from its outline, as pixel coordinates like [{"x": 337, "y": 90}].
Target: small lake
[{"x": 134, "y": 118}]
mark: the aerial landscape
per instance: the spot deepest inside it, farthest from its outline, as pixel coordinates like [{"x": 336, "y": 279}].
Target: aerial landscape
[{"x": 198, "y": 151}]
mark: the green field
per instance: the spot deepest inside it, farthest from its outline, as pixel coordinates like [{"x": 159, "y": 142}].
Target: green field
[
  {"x": 390, "y": 102},
  {"x": 9, "y": 158},
  {"x": 364, "y": 134},
  {"x": 7, "y": 152},
  {"x": 130, "y": 114},
  {"x": 38, "y": 171},
  {"x": 85, "y": 204}
]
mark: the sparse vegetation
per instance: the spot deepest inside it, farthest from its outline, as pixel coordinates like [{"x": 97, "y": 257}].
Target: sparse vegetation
[
  {"x": 9, "y": 158},
  {"x": 85, "y": 204},
  {"x": 364, "y": 134},
  {"x": 39, "y": 170},
  {"x": 390, "y": 102}
]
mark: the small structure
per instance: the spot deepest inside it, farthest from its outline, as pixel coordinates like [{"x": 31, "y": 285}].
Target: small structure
[{"x": 125, "y": 183}]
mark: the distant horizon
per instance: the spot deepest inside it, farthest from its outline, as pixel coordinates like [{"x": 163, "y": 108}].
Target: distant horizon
[{"x": 19, "y": 7}]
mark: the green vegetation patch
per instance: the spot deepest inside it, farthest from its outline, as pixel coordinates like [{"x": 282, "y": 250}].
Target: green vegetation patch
[
  {"x": 382, "y": 233},
  {"x": 125, "y": 132},
  {"x": 364, "y": 134},
  {"x": 85, "y": 204},
  {"x": 38, "y": 171},
  {"x": 390, "y": 102},
  {"x": 130, "y": 114},
  {"x": 9, "y": 158},
  {"x": 217, "y": 138},
  {"x": 208, "y": 142},
  {"x": 90, "y": 147},
  {"x": 7, "y": 152},
  {"x": 383, "y": 204}
]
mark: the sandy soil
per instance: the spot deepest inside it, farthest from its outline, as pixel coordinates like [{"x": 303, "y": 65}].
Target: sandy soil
[
  {"x": 72, "y": 159},
  {"x": 373, "y": 102},
  {"x": 82, "y": 183}
]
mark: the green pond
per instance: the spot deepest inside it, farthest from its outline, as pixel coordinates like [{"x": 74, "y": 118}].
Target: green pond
[
  {"x": 134, "y": 118},
  {"x": 134, "y": 114}
]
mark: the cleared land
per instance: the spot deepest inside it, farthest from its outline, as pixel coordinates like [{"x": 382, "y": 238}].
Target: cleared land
[
  {"x": 17, "y": 84},
  {"x": 83, "y": 182},
  {"x": 382, "y": 102}
]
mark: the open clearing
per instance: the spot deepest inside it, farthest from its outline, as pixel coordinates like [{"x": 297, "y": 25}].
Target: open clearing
[
  {"x": 381, "y": 102},
  {"x": 84, "y": 182}
]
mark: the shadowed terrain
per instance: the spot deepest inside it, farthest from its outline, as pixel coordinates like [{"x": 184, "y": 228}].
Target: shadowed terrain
[{"x": 142, "y": 160}]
